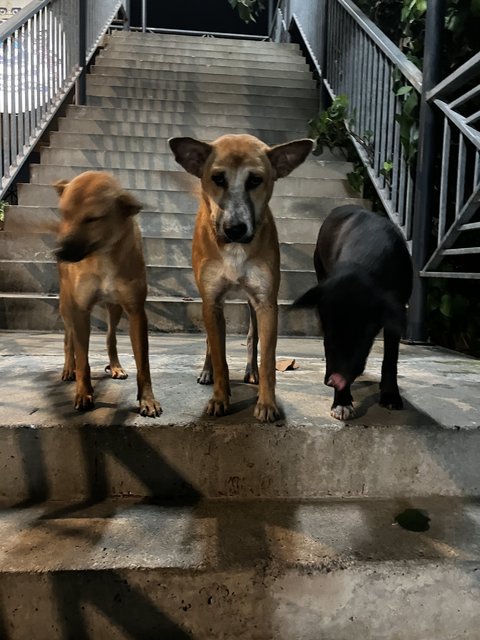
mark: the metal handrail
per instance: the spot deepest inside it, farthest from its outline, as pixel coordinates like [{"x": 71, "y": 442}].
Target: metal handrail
[
  {"x": 388, "y": 48},
  {"x": 45, "y": 49}
]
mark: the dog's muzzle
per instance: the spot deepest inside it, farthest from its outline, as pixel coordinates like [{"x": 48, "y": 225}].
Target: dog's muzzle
[
  {"x": 237, "y": 233},
  {"x": 73, "y": 251}
]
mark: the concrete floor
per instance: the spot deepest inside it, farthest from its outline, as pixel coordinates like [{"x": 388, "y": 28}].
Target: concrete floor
[{"x": 439, "y": 387}]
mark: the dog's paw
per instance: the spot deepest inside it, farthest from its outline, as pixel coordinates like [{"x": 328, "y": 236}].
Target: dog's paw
[
  {"x": 149, "y": 407},
  {"x": 266, "y": 412},
  {"x": 116, "y": 372},
  {"x": 83, "y": 401},
  {"x": 68, "y": 374},
  {"x": 217, "y": 406},
  {"x": 391, "y": 400},
  {"x": 251, "y": 375},
  {"x": 341, "y": 412},
  {"x": 206, "y": 377}
]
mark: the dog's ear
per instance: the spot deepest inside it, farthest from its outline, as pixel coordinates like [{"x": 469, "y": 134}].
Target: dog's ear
[
  {"x": 191, "y": 154},
  {"x": 127, "y": 204},
  {"x": 286, "y": 157},
  {"x": 312, "y": 298},
  {"x": 60, "y": 186}
]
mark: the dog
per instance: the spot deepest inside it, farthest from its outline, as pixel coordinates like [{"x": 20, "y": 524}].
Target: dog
[
  {"x": 100, "y": 260},
  {"x": 235, "y": 246},
  {"x": 365, "y": 276}
]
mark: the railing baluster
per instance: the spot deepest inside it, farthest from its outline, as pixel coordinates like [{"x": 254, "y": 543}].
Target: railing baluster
[{"x": 442, "y": 217}]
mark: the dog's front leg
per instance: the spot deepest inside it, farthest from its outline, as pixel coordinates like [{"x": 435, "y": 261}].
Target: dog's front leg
[
  {"x": 139, "y": 338},
  {"x": 81, "y": 338},
  {"x": 68, "y": 372},
  {"x": 215, "y": 327},
  {"x": 266, "y": 409}
]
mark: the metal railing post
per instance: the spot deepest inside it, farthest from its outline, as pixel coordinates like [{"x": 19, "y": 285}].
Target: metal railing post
[
  {"x": 81, "y": 85},
  {"x": 270, "y": 17},
  {"x": 423, "y": 202},
  {"x": 144, "y": 15},
  {"x": 127, "y": 12}
]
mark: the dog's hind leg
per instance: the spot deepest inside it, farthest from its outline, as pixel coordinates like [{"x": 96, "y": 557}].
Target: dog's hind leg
[
  {"x": 389, "y": 393},
  {"x": 206, "y": 377},
  {"x": 114, "y": 366},
  {"x": 251, "y": 370}
]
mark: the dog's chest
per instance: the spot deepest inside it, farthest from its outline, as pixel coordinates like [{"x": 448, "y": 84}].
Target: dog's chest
[
  {"x": 234, "y": 264},
  {"x": 236, "y": 270}
]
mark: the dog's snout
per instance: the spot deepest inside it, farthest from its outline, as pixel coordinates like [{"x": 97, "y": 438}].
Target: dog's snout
[
  {"x": 71, "y": 251},
  {"x": 235, "y": 232}
]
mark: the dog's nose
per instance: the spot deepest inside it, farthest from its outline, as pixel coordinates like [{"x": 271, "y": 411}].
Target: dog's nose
[
  {"x": 235, "y": 232},
  {"x": 71, "y": 251}
]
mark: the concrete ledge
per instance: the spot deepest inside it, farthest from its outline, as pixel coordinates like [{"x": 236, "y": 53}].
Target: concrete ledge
[
  {"x": 267, "y": 571},
  {"x": 49, "y": 449}
]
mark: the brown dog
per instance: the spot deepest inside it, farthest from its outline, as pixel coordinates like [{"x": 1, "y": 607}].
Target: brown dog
[
  {"x": 235, "y": 245},
  {"x": 100, "y": 259}
]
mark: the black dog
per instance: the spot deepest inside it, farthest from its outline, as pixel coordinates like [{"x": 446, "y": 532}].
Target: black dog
[{"x": 365, "y": 280}]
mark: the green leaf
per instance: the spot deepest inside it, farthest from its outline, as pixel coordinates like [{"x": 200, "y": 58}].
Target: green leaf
[
  {"x": 404, "y": 90},
  {"x": 446, "y": 305}
]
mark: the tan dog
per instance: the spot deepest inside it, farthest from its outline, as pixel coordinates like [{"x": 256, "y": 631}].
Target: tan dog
[
  {"x": 100, "y": 259},
  {"x": 235, "y": 245}
]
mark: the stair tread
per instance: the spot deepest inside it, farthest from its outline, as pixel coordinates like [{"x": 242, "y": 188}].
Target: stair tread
[{"x": 124, "y": 534}]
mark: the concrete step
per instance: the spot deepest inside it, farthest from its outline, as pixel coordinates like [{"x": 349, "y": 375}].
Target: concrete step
[
  {"x": 220, "y": 570},
  {"x": 291, "y": 227},
  {"x": 186, "y": 202},
  {"x": 276, "y": 89},
  {"x": 180, "y": 181},
  {"x": 162, "y": 118},
  {"x": 39, "y": 312},
  {"x": 205, "y": 75},
  {"x": 166, "y": 280},
  {"x": 270, "y": 134},
  {"x": 107, "y": 160},
  {"x": 136, "y": 144},
  {"x": 176, "y": 252},
  {"x": 220, "y": 94},
  {"x": 258, "y": 68},
  {"x": 202, "y": 55},
  {"x": 50, "y": 451},
  {"x": 175, "y": 41},
  {"x": 191, "y": 107}
]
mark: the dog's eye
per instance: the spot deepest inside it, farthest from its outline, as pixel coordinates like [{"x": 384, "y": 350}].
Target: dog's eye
[
  {"x": 219, "y": 179},
  {"x": 253, "y": 181},
  {"x": 90, "y": 219}
]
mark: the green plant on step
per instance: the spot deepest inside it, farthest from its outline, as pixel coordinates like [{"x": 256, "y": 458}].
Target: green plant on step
[
  {"x": 248, "y": 10},
  {"x": 3, "y": 207},
  {"x": 329, "y": 128}
]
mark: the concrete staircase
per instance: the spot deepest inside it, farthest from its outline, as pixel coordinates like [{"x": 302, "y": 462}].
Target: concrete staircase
[
  {"x": 185, "y": 527},
  {"x": 142, "y": 90}
]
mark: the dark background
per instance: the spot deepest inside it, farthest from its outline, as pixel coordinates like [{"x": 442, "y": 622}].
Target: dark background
[{"x": 196, "y": 15}]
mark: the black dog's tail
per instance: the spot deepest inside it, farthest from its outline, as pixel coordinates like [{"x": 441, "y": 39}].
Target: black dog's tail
[{"x": 310, "y": 299}]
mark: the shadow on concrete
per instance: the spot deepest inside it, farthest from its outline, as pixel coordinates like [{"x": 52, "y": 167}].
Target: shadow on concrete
[{"x": 116, "y": 598}]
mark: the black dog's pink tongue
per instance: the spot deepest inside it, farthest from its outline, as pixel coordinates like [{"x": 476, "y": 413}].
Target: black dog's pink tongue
[{"x": 338, "y": 381}]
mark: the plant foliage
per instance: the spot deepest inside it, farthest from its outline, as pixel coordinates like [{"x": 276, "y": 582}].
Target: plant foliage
[{"x": 248, "y": 10}]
